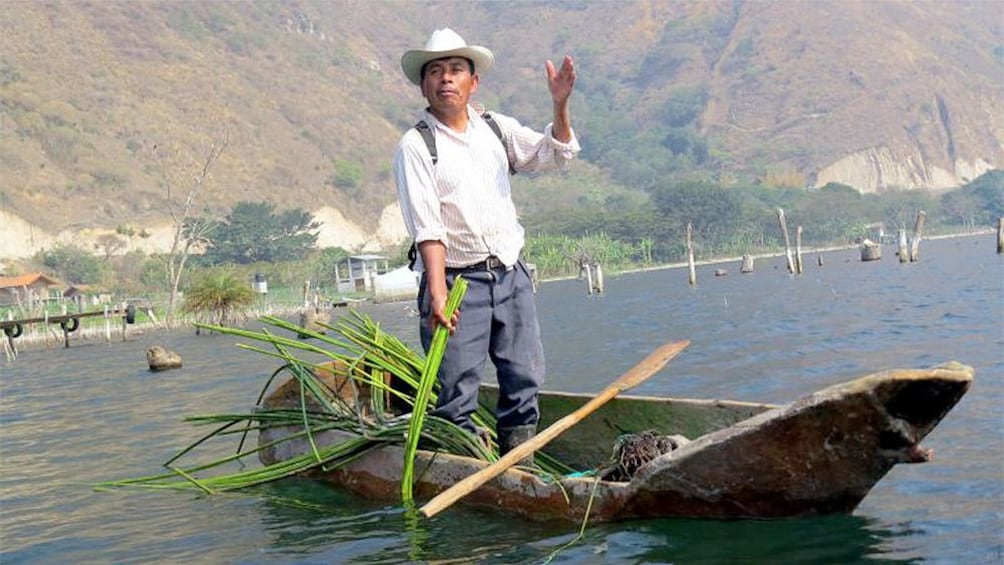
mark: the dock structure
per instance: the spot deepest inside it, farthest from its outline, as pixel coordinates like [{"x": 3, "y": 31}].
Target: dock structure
[{"x": 68, "y": 323}]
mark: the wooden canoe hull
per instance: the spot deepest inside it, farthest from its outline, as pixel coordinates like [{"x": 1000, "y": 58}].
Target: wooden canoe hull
[{"x": 818, "y": 455}]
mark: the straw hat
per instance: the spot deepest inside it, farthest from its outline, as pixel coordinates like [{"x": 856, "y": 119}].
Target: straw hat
[{"x": 445, "y": 43}]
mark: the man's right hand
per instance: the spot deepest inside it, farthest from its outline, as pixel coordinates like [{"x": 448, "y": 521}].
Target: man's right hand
[
  {"x": 434, "y": 258},
  {"x": 437, "y": 306}
]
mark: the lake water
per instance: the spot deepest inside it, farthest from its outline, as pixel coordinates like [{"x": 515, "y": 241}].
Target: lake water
[{"x": 73, "y": 417}]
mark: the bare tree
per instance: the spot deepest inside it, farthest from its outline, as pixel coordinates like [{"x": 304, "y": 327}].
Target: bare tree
[
  {"x": 184, "y": 193},
  {"x": 110, "y": 244}
]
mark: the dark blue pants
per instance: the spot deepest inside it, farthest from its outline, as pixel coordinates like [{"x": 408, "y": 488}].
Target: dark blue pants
[{"x": 498, "y": 320}]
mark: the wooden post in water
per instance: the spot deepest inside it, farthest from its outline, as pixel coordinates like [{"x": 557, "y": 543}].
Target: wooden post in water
[
  {"x": 918, "y": 232},
  {"x": 798, "y": 250},
  {"x": 747, "y": 264},
  {"x": 46, "y": 330},
  {"x": 9, "y": 350},
  {"x": 589, "y": 278},
  {"x": 819, "y": 259},
  {"x": 534, "y": 277},
  {"x": 1000, "y": 235},
  {"x": 108, "y": 326},
  {"x": 599, "y": 278},
  {"x": 904, "y": 253},
  {"x": 871, "y": 251},
  {"x": 62, "y": 326},
  {"x": 787, "y": 243},
  {"x": 691, "y": 270}
]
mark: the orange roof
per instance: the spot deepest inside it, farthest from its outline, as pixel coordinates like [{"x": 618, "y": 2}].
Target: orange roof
[{"x": 30, "y": 279}]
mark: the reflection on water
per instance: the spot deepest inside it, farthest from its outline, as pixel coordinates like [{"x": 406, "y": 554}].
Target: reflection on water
[
  {"x": 308, "y": 519},
  {"x": 832, "y": 539},
  {"x": 69, "y": 418}
]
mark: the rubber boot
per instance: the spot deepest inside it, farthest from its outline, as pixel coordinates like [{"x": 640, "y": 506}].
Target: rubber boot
[{"x": 511, "y": 437}]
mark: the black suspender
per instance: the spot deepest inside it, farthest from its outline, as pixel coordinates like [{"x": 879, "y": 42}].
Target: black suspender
[
  {"x": 429, "y": 137},
  {"x": 490, "y": 120}
]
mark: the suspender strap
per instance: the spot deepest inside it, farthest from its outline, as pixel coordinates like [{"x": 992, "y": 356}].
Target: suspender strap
[
  {"x": 429, "y": 138},
  {"x": 490, "y": 120},
  {"x": 412, "y": 256}
]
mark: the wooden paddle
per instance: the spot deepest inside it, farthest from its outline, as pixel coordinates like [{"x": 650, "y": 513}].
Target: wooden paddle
[{"x": 638, "y": 374}]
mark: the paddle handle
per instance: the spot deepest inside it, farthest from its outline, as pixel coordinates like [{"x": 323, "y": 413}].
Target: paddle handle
[{"x": 636, "y": 375}]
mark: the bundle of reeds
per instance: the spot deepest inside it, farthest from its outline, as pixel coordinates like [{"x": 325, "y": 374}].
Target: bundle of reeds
[{"x": 366, "y": 355}]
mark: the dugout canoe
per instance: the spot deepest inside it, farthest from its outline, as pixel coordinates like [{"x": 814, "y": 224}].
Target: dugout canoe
[{"x": 820, "y": 454}]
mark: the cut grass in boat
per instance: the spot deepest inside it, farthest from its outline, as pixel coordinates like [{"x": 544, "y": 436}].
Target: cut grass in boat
[{"x": 363, "y": 355}]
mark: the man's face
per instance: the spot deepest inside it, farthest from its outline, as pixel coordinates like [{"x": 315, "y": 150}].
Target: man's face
[{"x": 448, "y": 84}]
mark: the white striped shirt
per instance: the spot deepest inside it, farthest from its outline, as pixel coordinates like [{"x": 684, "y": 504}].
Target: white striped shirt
[{"x": 465, "y": 199}]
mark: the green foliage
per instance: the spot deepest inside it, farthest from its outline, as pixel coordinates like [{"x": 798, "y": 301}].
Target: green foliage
[
  {"x": 836, "y": 187},
  {"x": 743, "y": 219},
  {"x": 713, "y": 211},
  {"x": 153, "y": 273},
  {"x": 129, "y": 270},
  {"x": 898, "y": 209},
  {"x": 684, "y": 106},
  {"x": 981, "y": 202},
  {"x": 72, "y": 264},
  {"x": 685, "y": 144},
  {"x": 254, "y": 231},
  {"x": 562, "y": 255},
  {"x": 325, "y": 264},
  {"x": 347, "y": 175},
  {"x": 219, "y": 296},
  {"x": 551, "y": 254}
]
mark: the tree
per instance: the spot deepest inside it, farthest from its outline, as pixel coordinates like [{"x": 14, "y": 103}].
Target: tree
[
  {"x": 253, "y": 232},
  {"x": 980, "y": 202},
  {"x": 219, "y": 297},
  {"x": 834, "y": 213},
  {"x": 184, "y": 192},
  {"x": 109, "y": 244},
  {"x": 72, "y": 264},
  {"x": 326, "y": 263},
  {"x": 713, "y": 211}
]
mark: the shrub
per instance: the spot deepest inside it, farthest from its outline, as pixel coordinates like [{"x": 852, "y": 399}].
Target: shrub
[{"x": 219, "y": 297}]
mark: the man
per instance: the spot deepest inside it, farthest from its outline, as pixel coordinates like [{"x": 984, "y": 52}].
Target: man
[{"x": 458, "y": 209}]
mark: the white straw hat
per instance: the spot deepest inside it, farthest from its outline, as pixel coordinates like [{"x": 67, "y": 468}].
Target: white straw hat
[{"x": 445, "y": 43}]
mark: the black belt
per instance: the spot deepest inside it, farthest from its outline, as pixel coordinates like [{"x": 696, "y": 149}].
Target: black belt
[{"x": 490, "y": 264}]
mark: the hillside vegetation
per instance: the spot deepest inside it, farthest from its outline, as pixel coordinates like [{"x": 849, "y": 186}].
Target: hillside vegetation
[{"x": 100, "y": 100}]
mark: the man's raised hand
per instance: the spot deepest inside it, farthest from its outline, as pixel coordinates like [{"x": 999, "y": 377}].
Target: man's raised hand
[{"x": 561, "y": 81}]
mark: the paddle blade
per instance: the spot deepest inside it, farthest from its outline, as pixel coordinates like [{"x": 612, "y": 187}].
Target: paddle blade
[{"x": 650, "y": 365}]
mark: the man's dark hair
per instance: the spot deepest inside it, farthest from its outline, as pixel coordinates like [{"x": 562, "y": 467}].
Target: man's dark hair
[{"x": 470, "y": 63}]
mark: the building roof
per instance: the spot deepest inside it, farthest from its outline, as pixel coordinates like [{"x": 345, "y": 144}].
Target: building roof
[
  {"x": 30, "y": 279},
  {"x": 368, "y": 257},
  {"x": 83, "y": 289}
]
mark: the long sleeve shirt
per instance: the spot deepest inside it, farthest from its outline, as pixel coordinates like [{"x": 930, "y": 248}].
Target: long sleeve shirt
[{"x": 465, "y": 199}]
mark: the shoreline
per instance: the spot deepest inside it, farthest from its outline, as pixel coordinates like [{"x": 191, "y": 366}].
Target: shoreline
[
  {"x": 738, "y": 259},
  {"x": 52, "y": 339}
]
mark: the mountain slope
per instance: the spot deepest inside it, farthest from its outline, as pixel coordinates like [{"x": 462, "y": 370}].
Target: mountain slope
[{"x": 100, "y": 102}]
